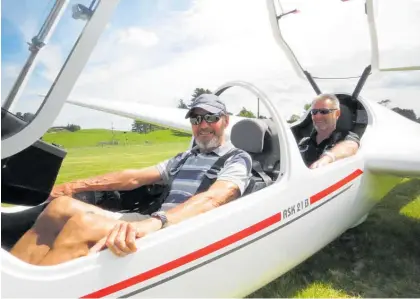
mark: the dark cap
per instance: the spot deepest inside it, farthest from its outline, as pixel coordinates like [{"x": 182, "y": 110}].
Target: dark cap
[{"x": 208, "y": 102}]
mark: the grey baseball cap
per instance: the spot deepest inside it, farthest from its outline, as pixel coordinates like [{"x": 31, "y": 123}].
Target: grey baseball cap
[{"x": 208, "y": 102}]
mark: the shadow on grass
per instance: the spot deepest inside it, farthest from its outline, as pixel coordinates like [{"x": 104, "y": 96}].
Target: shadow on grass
[{"x": 379, "y": 258}]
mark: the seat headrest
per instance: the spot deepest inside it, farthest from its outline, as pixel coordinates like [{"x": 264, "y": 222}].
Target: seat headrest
[
  {"x": 248, "y": 135},
  {"x": 345, "y": 121}
]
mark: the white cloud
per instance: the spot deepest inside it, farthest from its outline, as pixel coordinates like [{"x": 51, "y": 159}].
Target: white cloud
[
  {"x": 10, "y": 71},
  {"x": 51, "y": 60},
  {"x": 137, "y": 37},
  {"x": 216, "y": 41}
]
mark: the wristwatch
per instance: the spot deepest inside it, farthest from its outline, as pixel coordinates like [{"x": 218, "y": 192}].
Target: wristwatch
[{"x": 161, "y": 215}]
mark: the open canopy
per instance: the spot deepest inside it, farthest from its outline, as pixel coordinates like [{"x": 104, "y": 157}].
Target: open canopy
[{"x": 338, "y": 39}]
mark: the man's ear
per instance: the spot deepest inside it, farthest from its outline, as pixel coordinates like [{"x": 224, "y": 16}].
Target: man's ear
[
  {"x": 338, "y": 113},
  {"x": 227, "y": 120}
]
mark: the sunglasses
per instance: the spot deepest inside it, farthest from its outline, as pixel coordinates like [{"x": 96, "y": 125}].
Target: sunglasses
[
  {"x": 323, "y": 111},
  {"x": 209, "y": 118}
]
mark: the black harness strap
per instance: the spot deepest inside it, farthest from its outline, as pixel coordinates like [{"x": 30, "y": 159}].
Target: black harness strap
[
  {"x": 156, "y": 205},
  {"x": 211, "y": 175}
]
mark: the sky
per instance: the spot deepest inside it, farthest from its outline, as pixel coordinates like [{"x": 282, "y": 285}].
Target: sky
[{"x": 159, "y": 51}]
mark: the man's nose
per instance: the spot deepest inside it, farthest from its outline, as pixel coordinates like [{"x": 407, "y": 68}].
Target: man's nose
[
  {"x": 317, "y": 116},
  {"x": 203, "y": 124}
]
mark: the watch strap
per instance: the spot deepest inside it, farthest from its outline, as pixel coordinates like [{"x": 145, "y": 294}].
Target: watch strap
[{"x": 161, "y": 216}]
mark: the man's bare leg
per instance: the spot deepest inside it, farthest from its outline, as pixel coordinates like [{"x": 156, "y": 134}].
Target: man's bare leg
[
  {"x": 33, "y": 246},
  {"x": 78, "y": 235}
]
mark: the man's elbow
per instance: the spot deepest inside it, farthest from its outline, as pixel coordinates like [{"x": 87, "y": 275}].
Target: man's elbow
[
  {"x": 351, "y": 148},
  {"x": 354, "y": 147},
  {"x": 218, "y": 199}
]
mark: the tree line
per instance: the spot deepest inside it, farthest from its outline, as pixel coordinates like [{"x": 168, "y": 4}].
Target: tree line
[
  {"x": 27, "y": 117},
  {"x": 408, "y": 113},
  {"x": 244, "y": 112}
]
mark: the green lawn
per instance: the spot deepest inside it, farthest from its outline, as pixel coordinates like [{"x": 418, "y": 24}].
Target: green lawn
[
  {"x": 91, "y": 137},
  {"x": 90, "y": 161},
  {"x": 380, "y": 258}
]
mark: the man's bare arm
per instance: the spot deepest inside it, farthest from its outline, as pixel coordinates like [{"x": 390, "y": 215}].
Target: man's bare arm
[
  {"x": 341, "y": 150},
  {"x": 345, "y": 149},
  {"x": 220, "y": 193},
  {"x": 121, "y": 180}
]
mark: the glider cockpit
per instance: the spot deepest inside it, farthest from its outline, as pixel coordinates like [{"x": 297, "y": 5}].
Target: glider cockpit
[{"x": 353, "y": 118}]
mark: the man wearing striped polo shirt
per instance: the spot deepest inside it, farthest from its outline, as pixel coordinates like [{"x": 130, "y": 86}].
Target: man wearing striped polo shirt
[
  {"x": 209, "y": 119},
  {"x": 69, "y": 227}
]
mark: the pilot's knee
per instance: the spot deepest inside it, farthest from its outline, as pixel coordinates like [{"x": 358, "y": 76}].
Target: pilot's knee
[
  {"x": 81, "y": 221},
  {"x": 59, "y": 205},
  {"x": 58, "y": 209},
  {"x": 75, "y": 232},
  {"x": 88, "y": 226}
]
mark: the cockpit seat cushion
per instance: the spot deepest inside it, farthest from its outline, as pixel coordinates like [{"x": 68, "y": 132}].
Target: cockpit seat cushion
[
  {"x": 248, "y": 134},
  {"x": 345, "y": 121}
]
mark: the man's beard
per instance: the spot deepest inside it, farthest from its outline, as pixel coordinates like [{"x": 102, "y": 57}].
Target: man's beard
[
  {"x": 209, "y": 145},
  {"x": 324, "y": 127}
]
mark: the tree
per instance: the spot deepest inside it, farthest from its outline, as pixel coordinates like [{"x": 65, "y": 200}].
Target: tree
[
  {"x": 307, "y": 106},
  {"x": 198, "y": 92},
  {"x": 293, "y": 118},
  {"x": 182, "y": 104},
  {"x": 140, "y": 127},
  {"x": 143, "y": 127},
  {"x": 246, "y": 113},
  {"x": 409, "y": 113},
  {"x": 73, "y": 127},
  {"x": 384, "y": 102},
  {"x": 27, "y": 116}
]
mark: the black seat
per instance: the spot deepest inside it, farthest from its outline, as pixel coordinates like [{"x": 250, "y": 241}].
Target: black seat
[
  {"x": 28, "y": 176},
  {"x": 258, "y": 138}
]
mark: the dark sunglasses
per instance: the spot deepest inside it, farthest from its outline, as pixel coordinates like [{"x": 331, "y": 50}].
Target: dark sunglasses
[
  {"x": 323, "y": 111},
  {"x": 209, "y": 118}
]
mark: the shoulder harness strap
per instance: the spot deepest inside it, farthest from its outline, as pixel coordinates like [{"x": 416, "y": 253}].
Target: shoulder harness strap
[
  {"x": 157, "y": 204},
  {"x": 211, "y": 175},
  {"x": 256, "y": 166}
]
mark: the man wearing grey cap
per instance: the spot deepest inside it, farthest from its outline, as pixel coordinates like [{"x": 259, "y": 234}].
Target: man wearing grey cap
[{"x": 69, "y": 228}]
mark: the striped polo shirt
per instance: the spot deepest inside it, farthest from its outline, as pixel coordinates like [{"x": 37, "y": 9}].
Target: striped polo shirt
[{"x": 188, "y": 177}]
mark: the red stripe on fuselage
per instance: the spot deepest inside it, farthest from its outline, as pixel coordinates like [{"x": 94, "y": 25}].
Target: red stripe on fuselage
[
  {"x": 336, "y": 186},
  {"x": 186, "y": 258},
  {"x": 213, "y": 247}
]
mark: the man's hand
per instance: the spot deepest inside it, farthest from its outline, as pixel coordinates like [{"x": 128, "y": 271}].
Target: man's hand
[
  {"x": 61, "y": 190},
  {"x": 324, "y": 160},
  {"x": 121, "y": 240}
]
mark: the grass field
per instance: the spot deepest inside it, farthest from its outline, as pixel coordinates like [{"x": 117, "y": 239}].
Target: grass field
[
  {"x": 380, "y": 258},
  {"x": 90, "y": 161},
  {"x": 91, "y": 137}
]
